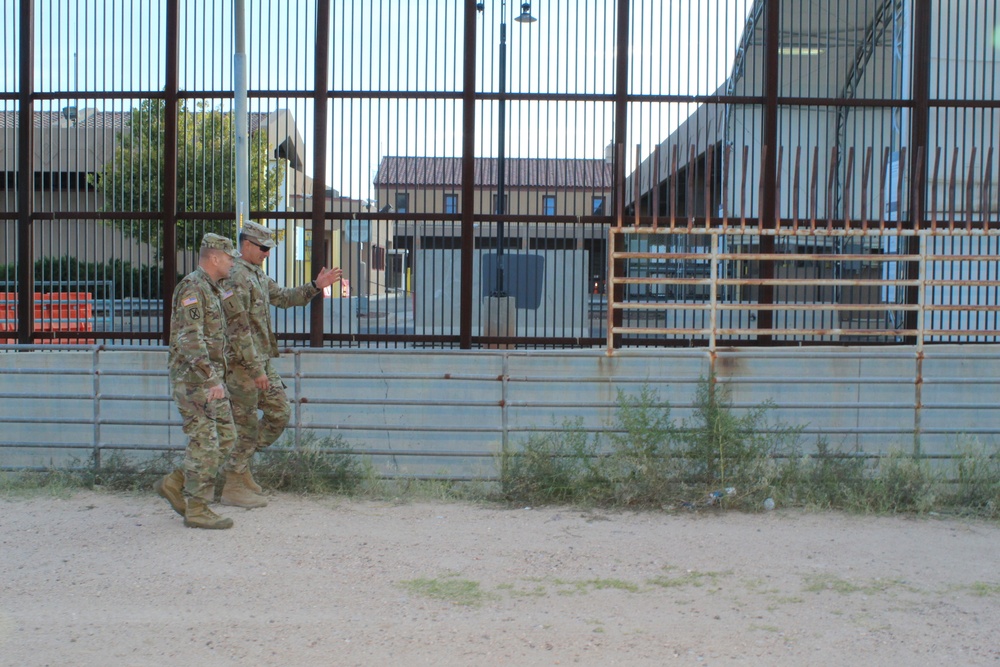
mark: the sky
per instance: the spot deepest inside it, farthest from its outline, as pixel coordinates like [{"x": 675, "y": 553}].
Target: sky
[{"x": 410, "y": 47}]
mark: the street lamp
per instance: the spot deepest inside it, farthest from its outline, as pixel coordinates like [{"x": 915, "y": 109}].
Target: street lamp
[{"x": 524, "y": 17}]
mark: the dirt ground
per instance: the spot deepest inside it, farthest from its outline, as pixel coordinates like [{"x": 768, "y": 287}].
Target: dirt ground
[{"x": 102, "y": 579}]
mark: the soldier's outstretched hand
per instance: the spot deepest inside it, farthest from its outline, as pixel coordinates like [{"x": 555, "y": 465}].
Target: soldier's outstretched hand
[{"x": 328, "y": 277}]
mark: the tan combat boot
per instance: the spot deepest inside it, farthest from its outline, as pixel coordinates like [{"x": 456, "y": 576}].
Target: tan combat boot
[
  {"x": 171, "y": 487},
  {"x": 199, "y": 515},
  {"x": 249, "y": 482},
  {"x": 236, "y": 493}
]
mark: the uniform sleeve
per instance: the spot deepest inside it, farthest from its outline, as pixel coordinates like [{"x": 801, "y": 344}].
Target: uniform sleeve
[
  {"x": 239, "y": 333},
  {"x": 188, "y": 319},
  {"x": 287, "y": 297}
]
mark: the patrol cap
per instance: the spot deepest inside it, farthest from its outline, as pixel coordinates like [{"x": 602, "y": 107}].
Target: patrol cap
[
  {"x": 259, "y": 234},
  {"x": 216, "y": 242}
]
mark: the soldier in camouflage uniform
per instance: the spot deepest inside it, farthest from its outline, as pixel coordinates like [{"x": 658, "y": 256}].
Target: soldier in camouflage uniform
[
  {"x": 254, "y": 384},
  {"x": 199, "y": 347}
]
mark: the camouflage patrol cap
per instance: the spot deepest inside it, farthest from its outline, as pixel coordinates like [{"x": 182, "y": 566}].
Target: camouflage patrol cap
[
  {"x": 259, "y": 234},
  {"x": 216, "y": 242}
]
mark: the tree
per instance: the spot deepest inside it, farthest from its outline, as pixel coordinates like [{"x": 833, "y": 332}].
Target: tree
[{"x": 206, "y": 139}]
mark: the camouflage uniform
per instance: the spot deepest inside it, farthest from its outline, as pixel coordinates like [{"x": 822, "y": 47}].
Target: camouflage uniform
[
  {"x": 257, "y": 293},
  {"x": 199, "y": 347}
]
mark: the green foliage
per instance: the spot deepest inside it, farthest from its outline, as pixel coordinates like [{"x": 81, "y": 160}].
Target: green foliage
[
  {"x": 650, "y": 460},
  {"x": 116, "y": 471},
  {"x": 132, "y": 181},
  {"x": 976, "y": 487},
  {"x": 726, "y": 449},
  {"x": 553, "y": 467},
  {"x": 900, "y": 483},
  {"x": 52, "y": 482},
  {"x": 448, "y": 588},
  {"x": 129, "y": 281},
  {"x": 828, "y": 479},
  {"x": 317, "y": 465},
  {"x": 742, "y": 457},
  {"x": 111, "y": 471},
  {"x": 643, "y": 466}
]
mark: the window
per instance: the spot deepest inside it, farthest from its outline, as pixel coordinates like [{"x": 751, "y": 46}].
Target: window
[
  {"x": 402, "y": 202},
  {"x": 598, "y": 207},
  {"x": 451, "y": 203},
  {"x": 441, "y": 242},
  {"x": 506, "y": 203},
  {"x": 548, "y": 204}
]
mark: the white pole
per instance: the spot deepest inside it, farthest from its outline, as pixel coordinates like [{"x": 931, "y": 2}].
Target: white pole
[{"x": 240, "y": 109}]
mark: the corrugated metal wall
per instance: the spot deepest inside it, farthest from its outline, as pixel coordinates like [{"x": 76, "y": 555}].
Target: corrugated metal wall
[{"x": 448, "y": 413}]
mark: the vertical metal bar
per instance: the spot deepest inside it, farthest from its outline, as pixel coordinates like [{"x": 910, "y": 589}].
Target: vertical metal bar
[
  {"x": 919, "y": 132},
  {"x": 655, "y": 187},
  {"x": 768, "y": 202},
  {"x": 637, "y": 186},
  {"x": 918, "y": 381},
  {"x": 866, "y": 175},
  {"x": 952, "y": 185},
  {"x": 501, "y": 208},
  {"x": 985, "y": 190},
  {"x": 468, "y": 249},
  {"x": 848, "y": 182},
  {"x": 814, "y": 190},
  {"x": 321, "y": 107},
  {"x": 610, "y": 288},
  {"x": 744, "y": 170},
  {"x": 934, "y": 180},
  {"x": 714, "y": 295},
  {"x": 777, "y": 185},
  {"x": 169, "y": 221},
  {"x": 617, "y": 292},
  {"x": 504, "y": 403},
  {"x": 689, "y": 198},
  {"x": 795, "y": 189},
  {"x": 25, "y": 178},
  {"x": 241, "y": 111},
  {"x": 831, "y": 184},
  {"x": 970, "y": 186},
  {"x": 673, "y": 186},
  {"x": 95, "y": 365},
  {"x": 727, "y": 162}
]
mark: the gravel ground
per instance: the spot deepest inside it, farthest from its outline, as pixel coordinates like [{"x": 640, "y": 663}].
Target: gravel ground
[{"x": 101, "y": 579}]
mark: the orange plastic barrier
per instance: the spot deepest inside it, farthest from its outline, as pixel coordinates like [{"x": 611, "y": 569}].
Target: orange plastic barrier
[{"x": 55, "y": 312}]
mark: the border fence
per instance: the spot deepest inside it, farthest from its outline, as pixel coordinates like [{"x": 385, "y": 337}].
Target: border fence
[{"x": 615, "y": 174}]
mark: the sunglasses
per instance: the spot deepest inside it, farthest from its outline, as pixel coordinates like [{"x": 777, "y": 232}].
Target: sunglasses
[{"x": 263, "y": 248}]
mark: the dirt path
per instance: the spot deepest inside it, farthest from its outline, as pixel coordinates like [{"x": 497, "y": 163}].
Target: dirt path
[{"x": 115, "y": 580}]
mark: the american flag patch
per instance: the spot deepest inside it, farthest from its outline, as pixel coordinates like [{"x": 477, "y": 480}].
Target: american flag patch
[
  {"x": 190, "y": 301},
  {"x": 228, "y": 293}
]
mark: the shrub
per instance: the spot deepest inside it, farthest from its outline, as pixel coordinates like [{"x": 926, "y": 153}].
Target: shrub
[
  {"x": 899, "y": 483},
  {"x": 317, "y": 465},
  {"x": 556, "y": 467},
  {"x": 976, "y": 488},
  {"x": 726, "y": 450},
  {"x": 643, "y": 466},
  {"x": 828, "y": 479}
]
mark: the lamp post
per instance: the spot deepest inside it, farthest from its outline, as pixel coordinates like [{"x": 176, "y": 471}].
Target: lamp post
[{"x": 524, "y": 17}]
